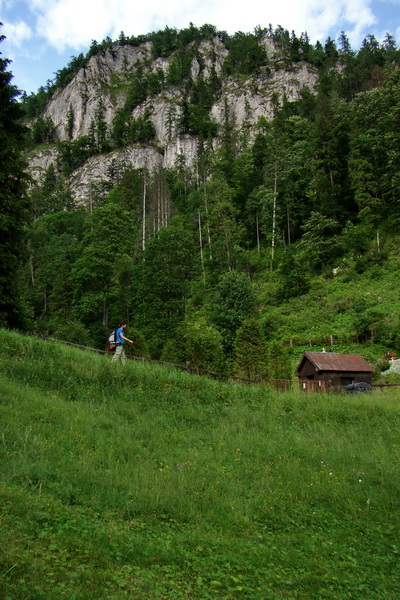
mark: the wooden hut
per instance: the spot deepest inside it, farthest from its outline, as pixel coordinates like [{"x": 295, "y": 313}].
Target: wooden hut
[{"x": 331, "y": 369}]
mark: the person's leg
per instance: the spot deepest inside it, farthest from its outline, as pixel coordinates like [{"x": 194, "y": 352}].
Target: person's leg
[
  {"x": 123, "y": 357},
  {"x": 117, "y": 353}
]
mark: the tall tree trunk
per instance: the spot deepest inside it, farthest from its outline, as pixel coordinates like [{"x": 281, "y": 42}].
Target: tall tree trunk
[
  {"x": 274, "y": 214},
  {"x": 159, "y": 205},
  {"x": 144, "y": 213},
  {"x": 258, "y": 235},
  {"x": 288, "y": 223},
  {"x": 31, "y": 268},
  {"x": 166, "y": 207},
  {"x": 105, "y": 310},
  {"x": 207, "y": 222},
  {"x": 201, "y": 249},
  {"x": 228, "y": 250}
]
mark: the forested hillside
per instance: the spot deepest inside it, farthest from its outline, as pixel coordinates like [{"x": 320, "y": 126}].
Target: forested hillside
[{"x": 229, "y": 196}]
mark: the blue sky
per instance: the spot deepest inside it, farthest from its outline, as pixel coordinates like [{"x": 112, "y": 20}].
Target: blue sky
[{"x": 43, "y": 35}]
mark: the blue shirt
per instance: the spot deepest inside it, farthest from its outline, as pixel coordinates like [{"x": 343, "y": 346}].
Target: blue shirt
[{"x": 120, "y": 332}]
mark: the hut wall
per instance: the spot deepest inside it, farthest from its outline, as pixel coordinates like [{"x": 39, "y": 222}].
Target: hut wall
[
  {"x": 337, "y": 378},
  {"x": 307, "y": 370}
]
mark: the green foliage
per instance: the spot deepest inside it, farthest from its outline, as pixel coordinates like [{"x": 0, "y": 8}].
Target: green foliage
[
  {"x": 246, "y": 55},
  {"x": 72, "y": 331},
  {"x": 100, "y": 267},
  {"x": 137, "y": 92},
  {"x": 221, "y": 221},
  {"x": 141, "y": 130},
  {"x": 72, "y": 155},
  {"x": 52, "y": 195},
  {"x": 198, "y": 344},
  {"x": 319, "y": 241},
  {"x": 179, "y": 67},
  {"x": 374, "y": 148},
  {"x": 250, "y": 351},
  {"x": 98, "y": 129},
  {"x": 14, "y": 206},
  {"x": 161, "y": 300},
  {"x": 70, "y": 123},
  {"x": 278, "y": 361},
  {"x": 234, "y": 302},
  {"x": 139, "y": 347},
  {"x": 294, "y": 277},
  {"x": 34, "y": 104},
  {"x": 127, "y": 130},
  {"x": 43, "y": 131},
  {"x": 54, "y": 245},
  {"x": 203, "y": 347}
]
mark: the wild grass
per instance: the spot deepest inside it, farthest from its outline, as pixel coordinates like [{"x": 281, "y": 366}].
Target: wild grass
[{"x": 142, "y": 482}]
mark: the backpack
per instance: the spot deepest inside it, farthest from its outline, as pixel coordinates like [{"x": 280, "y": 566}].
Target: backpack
[{"x": 112, "y": 340}]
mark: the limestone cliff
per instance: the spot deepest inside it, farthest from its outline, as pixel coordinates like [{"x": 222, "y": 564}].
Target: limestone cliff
[{"x": 106, "y": 78}]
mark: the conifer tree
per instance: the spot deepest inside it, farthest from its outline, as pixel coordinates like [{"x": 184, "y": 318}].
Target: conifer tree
[
  {"x": 233, "y": 303},
  {"x": 162, "y": 282},
  {"x": 14, "y": 205},
  {"x": 251, "y": 351},
  {"x": 278, "y": 361}
]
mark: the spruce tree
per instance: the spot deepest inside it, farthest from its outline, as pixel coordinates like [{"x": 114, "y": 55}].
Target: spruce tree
[
  {"x": 251, "y": 351},
  {"x": 13, "y": 200},
  {"x": 234, "y": 302},
  {"x": 278, "y": 361}
]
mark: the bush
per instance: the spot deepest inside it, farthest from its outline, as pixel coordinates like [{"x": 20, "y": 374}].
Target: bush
[
  {"x": 72, "y": 331},
  {"x": 139, "y": 347},
  {"x": 196, "y": 343},
  {"x": 203, "y": 347}
]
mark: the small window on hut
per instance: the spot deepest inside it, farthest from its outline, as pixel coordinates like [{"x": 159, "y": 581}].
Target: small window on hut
[{"x": 346, "y": 380}]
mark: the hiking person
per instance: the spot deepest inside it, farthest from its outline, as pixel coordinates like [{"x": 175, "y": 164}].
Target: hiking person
[{"x": 121, "y": 339}]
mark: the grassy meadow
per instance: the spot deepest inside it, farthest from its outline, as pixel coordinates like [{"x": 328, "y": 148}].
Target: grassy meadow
[{"x": 140, "y": 482}]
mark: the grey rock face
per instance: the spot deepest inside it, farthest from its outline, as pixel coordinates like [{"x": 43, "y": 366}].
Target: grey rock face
[{"x": 106, "y": 78}]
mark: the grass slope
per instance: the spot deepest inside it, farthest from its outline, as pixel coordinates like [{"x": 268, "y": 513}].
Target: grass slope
[
  {"x": 140, "y": 482},
  {"x": 359, "y": 304}
]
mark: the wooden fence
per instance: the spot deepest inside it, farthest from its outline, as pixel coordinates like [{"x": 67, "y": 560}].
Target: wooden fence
[
  {"x": 282, "y": 385},
  {"x": 279, "y": 384},
  {"x": 307, "y": 385}
]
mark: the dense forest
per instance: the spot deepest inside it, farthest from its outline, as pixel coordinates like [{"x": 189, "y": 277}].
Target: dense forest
[{"x": 277, "y": 240}]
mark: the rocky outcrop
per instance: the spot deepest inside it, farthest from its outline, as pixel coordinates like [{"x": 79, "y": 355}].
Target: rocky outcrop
[
  {"x": 257, "y": 97},
  {"x": 106, "y": 77},
  {"x": 100, "y": 168},
  {"x": 100, "y": 79},
  {"x": 39, "y": 161}
]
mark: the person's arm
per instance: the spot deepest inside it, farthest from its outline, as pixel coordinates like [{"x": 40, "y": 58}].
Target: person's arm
[{"x": 125, "y": 338}]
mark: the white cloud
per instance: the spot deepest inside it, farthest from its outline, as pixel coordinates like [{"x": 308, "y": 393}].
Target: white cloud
[
  {"x": 17, "y": 33},
  {"x": 311, "y": 16},
  {"x": 74, "y": 23}
]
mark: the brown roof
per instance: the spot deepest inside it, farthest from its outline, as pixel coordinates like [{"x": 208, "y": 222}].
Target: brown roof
[{"x": 333, "y": 361}]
